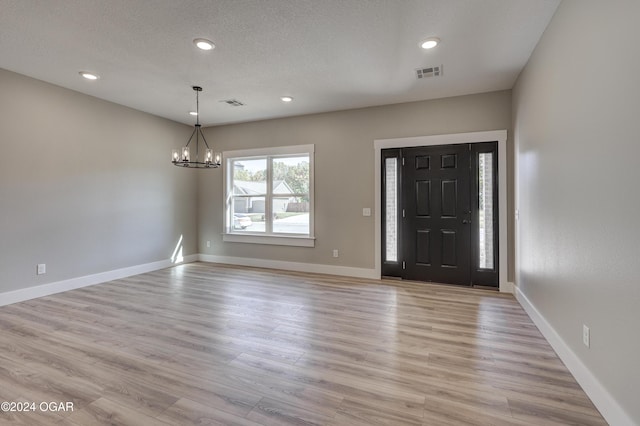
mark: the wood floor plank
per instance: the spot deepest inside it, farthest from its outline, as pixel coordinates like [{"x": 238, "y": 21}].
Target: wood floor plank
[
  {"x": 187, "y": 412},
  {"x": 360, "y": 413},
  {"x": 538, "y": 413},
  {"x": 106, "y": 412},
  {"x": 359, "y": 388},
  {"x": 272, "y": 412},
  {"x": 451, "y": 413},
  {"x": 23, "y": 382},
  {"x": 223, "y": 345},
  {"x": 192, "y": 385},
  {"x": 571, "y": 401},
  {"x": 303, "y": 395}
]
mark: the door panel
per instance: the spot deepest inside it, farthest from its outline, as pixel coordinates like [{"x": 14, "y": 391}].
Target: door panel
[
  {"x": 423, "y": 198},
  {"x": 423, "y": 242},
  {"x": 449, "y": 248},
  {"x": 449, "y": 198},
  {"x": 436, "y": 230},
  {"x": 422, "y": 162},
  {"x": 448, "y": 161}
]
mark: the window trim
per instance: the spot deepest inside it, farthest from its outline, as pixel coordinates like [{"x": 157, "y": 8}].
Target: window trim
[{"x": 228, "y": 234}]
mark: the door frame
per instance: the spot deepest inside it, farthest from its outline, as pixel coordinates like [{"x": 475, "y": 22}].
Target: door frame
[{"x": 449, "y": 139}]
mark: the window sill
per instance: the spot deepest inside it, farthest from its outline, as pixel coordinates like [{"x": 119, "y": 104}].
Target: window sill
[{"x": 276, "y": 240}]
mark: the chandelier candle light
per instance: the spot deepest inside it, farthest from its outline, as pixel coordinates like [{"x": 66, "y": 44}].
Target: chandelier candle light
[{"x": 182, "y": 157}]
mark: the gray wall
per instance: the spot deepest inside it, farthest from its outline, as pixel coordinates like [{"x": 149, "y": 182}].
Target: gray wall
[
  {"x": 86, "y": 186},
  {"x": 344, "y": 170},
  {"x": 577, "y": 126}
]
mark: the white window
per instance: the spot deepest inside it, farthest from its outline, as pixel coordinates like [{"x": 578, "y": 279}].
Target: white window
[{"x": 269, "y": 196}]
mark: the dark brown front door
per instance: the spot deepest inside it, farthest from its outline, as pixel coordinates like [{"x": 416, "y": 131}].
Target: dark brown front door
[
  {"x": 437, "y": 214},
  {"x": 440, "y": 213}
]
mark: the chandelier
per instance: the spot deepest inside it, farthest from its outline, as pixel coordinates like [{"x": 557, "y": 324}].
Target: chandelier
[{"x": 182, "y": 157}]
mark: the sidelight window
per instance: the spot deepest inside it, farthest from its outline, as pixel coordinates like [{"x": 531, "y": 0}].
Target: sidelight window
[
  {"x": 391, "y": 209},
  {"x": 485, "y": 210}
]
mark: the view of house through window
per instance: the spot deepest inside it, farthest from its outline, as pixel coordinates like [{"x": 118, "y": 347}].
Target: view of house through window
[
  {"x": 270, "y": 195},
  {"x": 485, "y": 210}
]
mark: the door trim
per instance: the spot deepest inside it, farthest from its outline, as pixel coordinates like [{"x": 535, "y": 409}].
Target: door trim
[{"x": 449, "y": 139}]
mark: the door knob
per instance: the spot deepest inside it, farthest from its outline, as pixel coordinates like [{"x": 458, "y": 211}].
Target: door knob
[{"x": 465, "y": 221}]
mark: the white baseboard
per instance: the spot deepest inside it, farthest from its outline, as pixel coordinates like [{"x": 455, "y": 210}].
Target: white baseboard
[
  {"x": 612, "y": 412},
  {"x": 28, "y": 293},
  {"x": 508, "y": 288},
  {"x": 292, "y": 266}
]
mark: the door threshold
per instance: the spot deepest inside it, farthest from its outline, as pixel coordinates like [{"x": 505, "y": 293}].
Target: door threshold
[
  {"x": 486, "y": 287},
  {"x": 384, "y": 277},
  {"x": 476, "y": 286}
]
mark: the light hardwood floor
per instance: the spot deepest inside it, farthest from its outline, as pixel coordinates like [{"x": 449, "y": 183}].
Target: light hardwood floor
[{"x": 211, "y": 344}]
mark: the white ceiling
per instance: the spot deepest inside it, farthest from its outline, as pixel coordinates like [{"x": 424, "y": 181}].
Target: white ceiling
[{"x": 328, "y": 54}]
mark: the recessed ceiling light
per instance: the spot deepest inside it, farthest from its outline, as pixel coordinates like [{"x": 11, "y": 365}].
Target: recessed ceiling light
[
  {"x": 193, "y": 113},
  {"x": 89, "y": 75},
  {"x": 204, "y": 44},
  {"x": 286, "y": 99},
  {"x": 430, "y": 43}
]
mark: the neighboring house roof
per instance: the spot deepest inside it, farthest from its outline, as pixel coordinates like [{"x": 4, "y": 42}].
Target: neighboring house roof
[{"x": 260, "y": 188}]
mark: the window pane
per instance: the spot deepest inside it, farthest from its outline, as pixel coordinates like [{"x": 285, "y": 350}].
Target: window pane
[
  {"x": 485, "y": 210},
  {"x": 391, "y": 209},
  {"x": 291, "y": 175},
  {"x": 291, "y": 215},
  {"x": 250, "y": 177},
  {"x": 248, "y": 214}
]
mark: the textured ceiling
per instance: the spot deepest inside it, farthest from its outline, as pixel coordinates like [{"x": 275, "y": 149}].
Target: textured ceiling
[{"x": 328, "y": 54}]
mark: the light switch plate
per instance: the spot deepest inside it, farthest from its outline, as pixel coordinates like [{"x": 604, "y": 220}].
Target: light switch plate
[
  {"x": 586, "y": 336},
  {"x": 366, "y": 211}
]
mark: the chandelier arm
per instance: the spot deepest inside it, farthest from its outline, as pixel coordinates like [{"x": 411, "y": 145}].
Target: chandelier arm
[
  {"x": 192, "y": 133},
  {"x": 202, "y": 134}
]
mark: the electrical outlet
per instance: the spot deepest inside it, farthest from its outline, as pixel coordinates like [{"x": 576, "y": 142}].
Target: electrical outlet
[
  {"x": 586, "y": 338},
  {"x": 42, "y": 269},
  {"x": 208, "y": 243},
  {"x": 335, "y": 253}
]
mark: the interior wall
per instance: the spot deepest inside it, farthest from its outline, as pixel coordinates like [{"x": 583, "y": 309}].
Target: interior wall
[
  {"x": 576, "y": 108},
  {"x": 344, "y": 156},
  {"x": 86, "y": 186}
]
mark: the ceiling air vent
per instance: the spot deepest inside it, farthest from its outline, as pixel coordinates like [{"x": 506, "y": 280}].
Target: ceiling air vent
[
  {"x": 429, "y": 72},
  {"x": 233, "y": 102}
]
